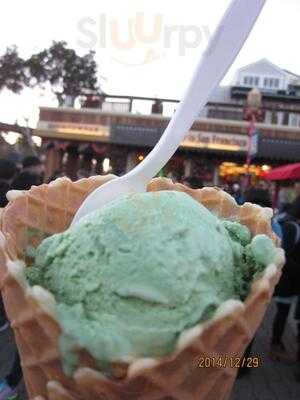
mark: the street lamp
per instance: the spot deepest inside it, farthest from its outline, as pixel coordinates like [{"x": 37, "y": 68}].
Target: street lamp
[{"x": 253, "y": 113}]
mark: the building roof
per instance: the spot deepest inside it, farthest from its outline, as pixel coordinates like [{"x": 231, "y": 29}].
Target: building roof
[
  {"x": 265, "y": 65},
  {"x": 292, "y": 73},
  {"x": 267, "y": 68}
]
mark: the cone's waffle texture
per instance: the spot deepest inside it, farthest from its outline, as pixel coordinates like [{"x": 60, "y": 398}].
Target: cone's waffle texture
[{"x": 48, "y": 209}]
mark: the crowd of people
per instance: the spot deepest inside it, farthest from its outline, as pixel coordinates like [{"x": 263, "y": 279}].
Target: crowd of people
[
  {"x": 286, "y": 224},
  {"x": 15, "y": 177}
]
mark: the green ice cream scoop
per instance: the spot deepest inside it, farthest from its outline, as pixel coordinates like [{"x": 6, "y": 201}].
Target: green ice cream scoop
[{"x": 136, "y": 273}]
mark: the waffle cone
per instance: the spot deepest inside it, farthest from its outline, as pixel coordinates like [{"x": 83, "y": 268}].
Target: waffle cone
[{"x": 49, "y": 209}]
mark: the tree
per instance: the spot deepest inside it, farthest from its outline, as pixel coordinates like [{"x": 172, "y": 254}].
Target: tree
[
  {"x": 13, "y": 77},
  {"x": 12, "y": 71},
  {"x": 68, "y": 73}
]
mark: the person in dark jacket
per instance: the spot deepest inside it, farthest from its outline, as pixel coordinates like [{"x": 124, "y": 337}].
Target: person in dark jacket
[
  {"x": 289, "y": 285},
  {"x": 31, "y": 174},
  {"x": 8, "y": 170},
  {"x": 262, "y": 198}
]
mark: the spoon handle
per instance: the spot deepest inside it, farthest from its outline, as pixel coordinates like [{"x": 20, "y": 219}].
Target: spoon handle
[{"x": 222, "y": 50}]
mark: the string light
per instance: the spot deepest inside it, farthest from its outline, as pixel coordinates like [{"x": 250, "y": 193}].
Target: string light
[
  {"x": 233, "y": 169},
  {"x": 106, "y": 165}
]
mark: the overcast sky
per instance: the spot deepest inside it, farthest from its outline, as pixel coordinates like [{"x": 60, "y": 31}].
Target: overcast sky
[{"x": 161, "y": 67}]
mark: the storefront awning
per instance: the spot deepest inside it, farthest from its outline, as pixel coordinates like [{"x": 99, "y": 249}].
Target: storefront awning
[{"x": 291, "y": 171}]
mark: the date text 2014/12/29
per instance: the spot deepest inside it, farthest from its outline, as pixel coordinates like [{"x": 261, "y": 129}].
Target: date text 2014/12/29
[{"x": 227, "y": 362}]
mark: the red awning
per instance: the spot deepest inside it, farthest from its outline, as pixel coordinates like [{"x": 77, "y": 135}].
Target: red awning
[{"x": 291, "y": 171}]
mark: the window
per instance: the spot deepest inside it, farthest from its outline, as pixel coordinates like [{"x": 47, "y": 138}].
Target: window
[
  {"x": 251, "y": 81},
  {"x": 286, "y": 118},
  {"x": 271, "y": 83},
  {"x": 294, "y": 120},
  {"x": 274, "y": 118},
  {"x": 280, "y": 117},
  {"x": 268, "y": 117}
]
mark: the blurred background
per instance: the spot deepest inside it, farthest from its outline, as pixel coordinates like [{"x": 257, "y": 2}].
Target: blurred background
[{"x": 88, "y": 88}]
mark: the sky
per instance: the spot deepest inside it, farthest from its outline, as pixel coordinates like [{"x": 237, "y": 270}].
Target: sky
[{"x": 143, "y": 47}]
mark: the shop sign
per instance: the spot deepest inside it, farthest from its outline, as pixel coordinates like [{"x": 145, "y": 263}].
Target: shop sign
[
  {"x": 216, "y": 141},
  {"x": 279, "y": 149},
  {"x": 135, "y": 135},
  {"x": 145, "y": 136},
  {"x": 82, "y": 130}
]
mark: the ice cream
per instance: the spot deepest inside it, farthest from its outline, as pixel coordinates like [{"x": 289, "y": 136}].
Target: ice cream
[{"x": 135, "y": 274}]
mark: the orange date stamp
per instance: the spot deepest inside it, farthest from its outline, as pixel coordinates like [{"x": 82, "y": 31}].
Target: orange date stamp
[{"x": 227, "y": 362}]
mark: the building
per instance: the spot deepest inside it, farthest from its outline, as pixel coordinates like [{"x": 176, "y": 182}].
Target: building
[
  {"x": 106, "y": 135},
  {"x": 280, "y": 90}
]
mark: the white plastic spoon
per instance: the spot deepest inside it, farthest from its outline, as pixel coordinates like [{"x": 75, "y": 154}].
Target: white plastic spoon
[{"x": 222, "y": 50}]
